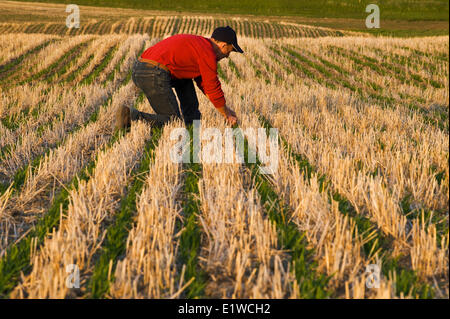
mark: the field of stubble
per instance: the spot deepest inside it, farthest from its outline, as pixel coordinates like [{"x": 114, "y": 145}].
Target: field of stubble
[{"x": 362, "y": 178}]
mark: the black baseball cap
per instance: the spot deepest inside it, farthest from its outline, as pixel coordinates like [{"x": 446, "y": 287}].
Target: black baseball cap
[{"x": 227, "y": 34}]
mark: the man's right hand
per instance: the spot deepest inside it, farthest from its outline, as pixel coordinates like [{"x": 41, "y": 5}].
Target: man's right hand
[{"x": 229, "y": 115}]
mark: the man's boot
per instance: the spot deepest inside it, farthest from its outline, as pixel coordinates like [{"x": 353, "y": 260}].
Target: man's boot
[
  {"x": 157, "y": 120},
  {"x": 124, "y": 116}
]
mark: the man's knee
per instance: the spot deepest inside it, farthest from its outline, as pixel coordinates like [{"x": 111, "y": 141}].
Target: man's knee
[{"x": 189, "y": 118}]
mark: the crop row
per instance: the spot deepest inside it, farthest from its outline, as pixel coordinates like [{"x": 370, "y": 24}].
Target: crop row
[
  {"x": 356, "y": 184},
  {"x": 421, "y": 263},
  {"x": 161, "y": 26}
]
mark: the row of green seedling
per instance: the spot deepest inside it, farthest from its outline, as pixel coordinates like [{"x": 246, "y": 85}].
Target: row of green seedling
[
  {"x": 386, "y": 101},
  {"x": 72, "y": 61},
  {"x": 308, "y": 71},
  {"x": 99, "y": 67},
  {"x": 384, "y": 68},
  {"x": 16, "y": 260},
  {"x": 115, "y": 70},
  {"x": 53, "y": 71},
  {"x": 330, "y": 66},
  {"x": 8, "y": 68},
  {"x": 268, "y": 70},
  {"x": 373, "y": 86},
  {"x": 311, "y": 284},
  {"x": 110, "y": 76},
  {"x": 408, "y": 61},
  {"x": 325, "y": 69},
  {"x": 59, "y": 67},
  {"x": 221, "y": 74},
  {"x": 88, "y": 79},
  {"x": 13, "y": 122},
  {"x": 17, "y": 257},
  {"x": 190, "y": 239},
  {"x": 117, "y": 233},
  {"x": 21, "y": 174},
  {"x": 234, "y": 69},
  {"x": 282, "y": 65},
  {"x": 440, "y": 219},
  {"x": 335, "y": 67},
  {"x": 375, "y": 241},
  {"x": 443, "y": 57},
  {"x": 377, "y": 66},
  {"x": 425, "y": 216},
  {"x": 441, "y": 116}
]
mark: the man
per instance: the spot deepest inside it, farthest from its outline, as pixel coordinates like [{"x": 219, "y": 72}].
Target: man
[{"x": 174, "y": 62}]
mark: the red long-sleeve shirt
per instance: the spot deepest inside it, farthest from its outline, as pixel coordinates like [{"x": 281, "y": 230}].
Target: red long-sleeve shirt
[{"x": 190, "y": 56}]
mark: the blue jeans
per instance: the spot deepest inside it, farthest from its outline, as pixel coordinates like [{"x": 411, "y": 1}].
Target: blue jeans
[{"x": 157, "y": 84}]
